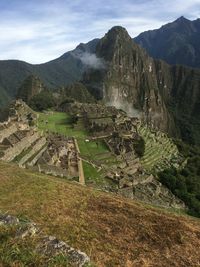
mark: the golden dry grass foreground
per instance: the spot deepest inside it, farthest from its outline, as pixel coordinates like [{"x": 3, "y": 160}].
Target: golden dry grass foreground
[{"x": 113, "y": 231}]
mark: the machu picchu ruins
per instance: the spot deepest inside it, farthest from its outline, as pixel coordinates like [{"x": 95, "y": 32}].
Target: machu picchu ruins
[
  {"x": 126, "y": 143},
  {"x": 24, "y": 144}
]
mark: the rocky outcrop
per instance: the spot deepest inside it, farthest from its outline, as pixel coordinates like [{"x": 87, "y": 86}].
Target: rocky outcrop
[
  {"x": 31, "y": 86},
  {"x": 49, "y": 246}
]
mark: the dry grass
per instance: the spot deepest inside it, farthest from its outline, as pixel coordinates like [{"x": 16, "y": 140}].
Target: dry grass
[{"x": 113, "y": 231}]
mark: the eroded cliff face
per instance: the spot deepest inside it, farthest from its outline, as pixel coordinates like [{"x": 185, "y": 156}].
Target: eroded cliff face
[
  {"x": 130, "y": 79},
  {"x": 144, "y": 87}
]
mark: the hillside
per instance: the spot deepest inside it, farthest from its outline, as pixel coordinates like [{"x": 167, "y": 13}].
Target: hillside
[
  {"x": 177, "y": 42},
  {"x": 113, "y": 231},
  {"x": 54, "y": 74}
]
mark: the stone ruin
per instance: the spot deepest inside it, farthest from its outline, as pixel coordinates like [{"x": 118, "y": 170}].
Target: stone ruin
[
  {"x": 21, "y": 142},
  {"x": 60, "y": 157},
  {"x": 107, "y": 123},
  {"x": 120, "y": 134}
]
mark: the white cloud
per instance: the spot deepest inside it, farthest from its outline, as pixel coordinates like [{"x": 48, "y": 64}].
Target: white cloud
[
  {"x": 39, "y": 31},
  {"x": 90, "y": 60}
]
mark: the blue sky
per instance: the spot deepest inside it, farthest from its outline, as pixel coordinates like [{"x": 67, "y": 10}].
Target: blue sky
[{"x": 37, "y": 31}]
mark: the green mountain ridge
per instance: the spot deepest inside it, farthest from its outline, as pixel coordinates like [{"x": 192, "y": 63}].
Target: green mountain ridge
[
  {"x": 54, "y": 74},
  {"x": 177, "y": 42}
]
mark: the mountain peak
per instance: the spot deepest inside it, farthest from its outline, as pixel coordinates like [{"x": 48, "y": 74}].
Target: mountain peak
[
  {"x": 117, "y": 36},
  {"x": 176, "y": 42},
  {"x": 182, "y": 19},
  {"x": 118, "y": 31}
]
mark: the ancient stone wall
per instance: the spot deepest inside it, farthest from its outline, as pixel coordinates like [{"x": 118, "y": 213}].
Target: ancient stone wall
[
  {"x": 7, "y": 131},
  {"x": 25, "y": 143},
  {"x": 37, "y": 147},
  {"x": 54, "y": 170}
]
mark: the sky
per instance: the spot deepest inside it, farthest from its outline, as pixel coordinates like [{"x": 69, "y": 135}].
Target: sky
[{"x": 38, "y": 31}]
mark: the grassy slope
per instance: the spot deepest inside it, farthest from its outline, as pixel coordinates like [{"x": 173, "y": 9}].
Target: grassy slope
[{"x": 113, "y": 231}]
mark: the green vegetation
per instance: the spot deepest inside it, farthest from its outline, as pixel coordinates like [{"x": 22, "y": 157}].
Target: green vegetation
[
  {"x": 13, "y": 250},
  {"x": 42, "y": 101},
  {"x": 140, "y": 147},
  {"x": 91, "y": 173},
  {"x": 76, "y": 91},
  {"x": 4, "y": 98},
  {"x": 59, "y": 122},
  {"x": 185, "y": 183}
]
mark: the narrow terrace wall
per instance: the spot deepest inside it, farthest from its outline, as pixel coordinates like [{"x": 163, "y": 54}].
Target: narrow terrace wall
[
  {"x": 25, "y": 143},
  {"x": 8, "y": 131},
  {"x": 40, "y": 143}
]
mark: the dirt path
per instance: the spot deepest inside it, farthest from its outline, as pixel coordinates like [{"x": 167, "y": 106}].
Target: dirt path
[{"x": 80, "y": 165}]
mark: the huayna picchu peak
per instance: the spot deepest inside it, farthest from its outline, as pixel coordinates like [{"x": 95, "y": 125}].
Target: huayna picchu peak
[{"x": 134, "y": 81}]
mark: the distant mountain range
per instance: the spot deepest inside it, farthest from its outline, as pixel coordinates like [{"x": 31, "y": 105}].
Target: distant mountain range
[
  {"x": 120, "y": 72},
  {"x": 60, "y": 72},
  {"x": 176, "y": 43}
]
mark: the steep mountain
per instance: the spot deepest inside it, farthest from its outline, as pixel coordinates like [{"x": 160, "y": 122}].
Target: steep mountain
[
  {"x": 165, "y": 97},
  {"x": 57, "y": 73},
  {"x": 176, "y": 43}
]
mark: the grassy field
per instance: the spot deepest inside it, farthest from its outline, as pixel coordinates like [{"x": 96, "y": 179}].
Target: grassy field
[
  {"x": 112, "y": 230},
  {"x": 59, "y": 122}
]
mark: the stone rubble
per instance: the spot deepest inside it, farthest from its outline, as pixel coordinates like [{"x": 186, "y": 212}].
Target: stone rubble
[{"x": 49, "y": 246}]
